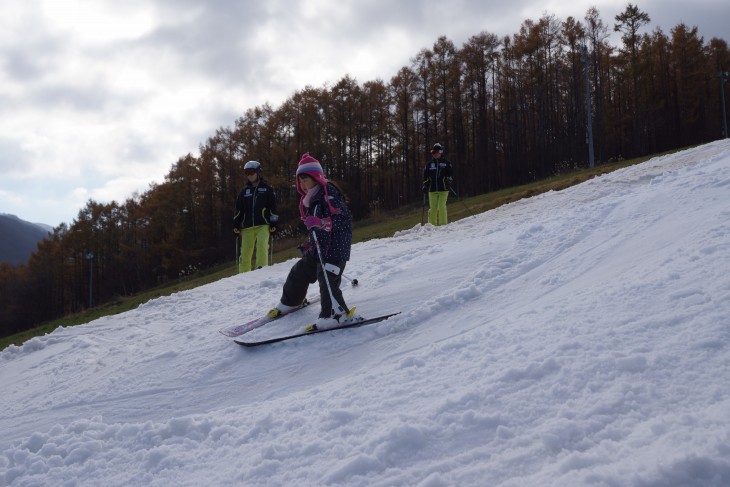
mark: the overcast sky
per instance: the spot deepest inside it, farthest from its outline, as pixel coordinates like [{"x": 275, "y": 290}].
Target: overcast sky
[{"x": 98, "y": 98}]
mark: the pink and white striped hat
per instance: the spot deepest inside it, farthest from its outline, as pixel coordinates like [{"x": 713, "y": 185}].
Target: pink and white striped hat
[{"x": 311, "y": 167}]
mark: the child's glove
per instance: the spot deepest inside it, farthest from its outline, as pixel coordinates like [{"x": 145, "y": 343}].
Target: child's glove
[{"x": 316, "y": 222}]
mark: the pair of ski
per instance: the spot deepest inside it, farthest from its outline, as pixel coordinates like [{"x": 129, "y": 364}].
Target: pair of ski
[{"x": 238, "y": 330}]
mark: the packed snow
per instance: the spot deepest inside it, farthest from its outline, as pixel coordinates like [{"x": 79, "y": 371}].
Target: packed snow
[{"x": 576, "y": 338}]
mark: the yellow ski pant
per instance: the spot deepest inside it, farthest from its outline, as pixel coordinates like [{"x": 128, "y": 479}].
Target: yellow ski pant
[
  {"x": 254, "y": 237},
  {"x": 437, "y": 207}
]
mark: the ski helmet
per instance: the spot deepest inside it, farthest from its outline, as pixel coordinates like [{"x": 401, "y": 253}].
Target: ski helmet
[
  {"x": 437, "y": 148},
  {"x": 255, "y": 165}
]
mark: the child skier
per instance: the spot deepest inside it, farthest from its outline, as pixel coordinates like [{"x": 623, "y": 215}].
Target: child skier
[{"x": 324, "y": 212}]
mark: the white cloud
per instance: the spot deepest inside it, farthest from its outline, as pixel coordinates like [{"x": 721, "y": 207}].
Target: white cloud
[{"x": 91, "y": 22}]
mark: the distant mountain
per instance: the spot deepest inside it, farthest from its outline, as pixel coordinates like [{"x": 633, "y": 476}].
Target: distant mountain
[{"x": 19, "y": 238}]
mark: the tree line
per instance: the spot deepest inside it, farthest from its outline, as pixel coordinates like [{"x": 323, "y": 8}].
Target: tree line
[{"x": 508, "y": 110}]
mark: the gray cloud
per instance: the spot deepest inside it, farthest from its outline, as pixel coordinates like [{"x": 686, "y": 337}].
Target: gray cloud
[
  {"x": 32, "y": 57},
  {"x": 709, "y": 16},
  {"x": 13, "y": 158},
  {"x": 215, "y": 40}
]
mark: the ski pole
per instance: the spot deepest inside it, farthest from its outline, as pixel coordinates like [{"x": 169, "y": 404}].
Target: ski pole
[
  {"x": 326, "y": 279},
  {"x": 353, "y": 281},
  {"x": 238, "y": 247},
  {"x": 461, "y": 201},
  {"x": 271, "y": 249},
  {"x": 423, "y": 209}
]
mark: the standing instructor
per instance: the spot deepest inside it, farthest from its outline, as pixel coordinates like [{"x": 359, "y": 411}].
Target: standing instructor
[
  {"x": 437, "y": 178},
  {"x": 255, "y": 217}
]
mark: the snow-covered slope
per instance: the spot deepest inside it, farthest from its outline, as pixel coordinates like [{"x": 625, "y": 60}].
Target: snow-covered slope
[{"x": 580, "y": 337}]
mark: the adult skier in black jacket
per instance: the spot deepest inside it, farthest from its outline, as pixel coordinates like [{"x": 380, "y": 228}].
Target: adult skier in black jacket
[
  {"x": 437, "y": 178},
  {"x": 255, "y": 217}
]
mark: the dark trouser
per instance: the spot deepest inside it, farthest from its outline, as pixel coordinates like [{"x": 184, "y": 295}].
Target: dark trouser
[{"x": 306, "y": 272}]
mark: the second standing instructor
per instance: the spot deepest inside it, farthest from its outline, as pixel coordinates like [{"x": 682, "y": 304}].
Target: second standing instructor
[
  {"x": 255, "y": 217},
  {"x": 436, "y": 183}
]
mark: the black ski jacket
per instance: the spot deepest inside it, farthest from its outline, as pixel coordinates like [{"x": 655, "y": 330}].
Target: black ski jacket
[
  {"x": 255, "y": 206},
  {"x": 437, "y": 175}
]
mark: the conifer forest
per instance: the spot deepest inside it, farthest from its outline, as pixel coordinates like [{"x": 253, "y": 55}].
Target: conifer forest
[{"x": 507, "y": 110}]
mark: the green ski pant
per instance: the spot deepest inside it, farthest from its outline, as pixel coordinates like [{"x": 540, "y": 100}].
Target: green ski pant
[
  {"x": 250, "y": 237},
  {"x": 437, "y": 207}
]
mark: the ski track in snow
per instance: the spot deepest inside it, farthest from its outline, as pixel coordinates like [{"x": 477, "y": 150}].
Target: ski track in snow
[{"x": 579, "y": 337}]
